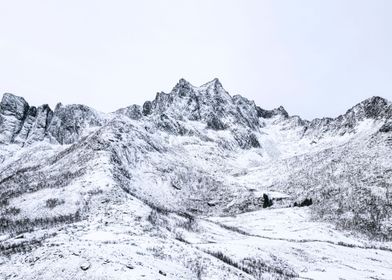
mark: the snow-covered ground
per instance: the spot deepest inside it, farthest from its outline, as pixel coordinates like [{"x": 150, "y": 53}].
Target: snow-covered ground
[
  {"x": 275, "y": 243},
  {"x": 314, "y": 250}
]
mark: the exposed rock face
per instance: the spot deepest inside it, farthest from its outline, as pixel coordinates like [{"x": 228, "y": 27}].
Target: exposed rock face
[
  {"x": 13, "y": 110},
  {"x": 147, "y": 107},
  {"x": 209, "y": 103},
  {"x": 133, "y": 112},
  {"x": 215, "y": 123},
  {"x": 375, "y": 107},
  {"x": 69, "y": 122},
  {"x": 387, "y": 126},
  {"x": 246, "y": 139},
  {"x": 23, "y": 124},
  {"x": 12, "y": 105},
  {"x": 267, "y": 114},
  {"x": 35, "y": 125}
]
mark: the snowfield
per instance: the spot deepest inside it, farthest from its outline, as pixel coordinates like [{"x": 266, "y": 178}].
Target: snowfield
[
  {"x": 196, "y": 184},
  {"x": 280, "y": 243}
]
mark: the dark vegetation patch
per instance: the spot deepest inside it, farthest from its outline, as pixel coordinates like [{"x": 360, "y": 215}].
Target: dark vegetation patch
[
  {"x": 267, "y": 202},
  {"x": 53, "y": 202},
  {"x": 21, "y": 244},
  {"x": 13, "y": 211},
  {"x": 305, "y": 202},
  {"x": 8, "y": 225},
  {"x": 257, "y": 267}
]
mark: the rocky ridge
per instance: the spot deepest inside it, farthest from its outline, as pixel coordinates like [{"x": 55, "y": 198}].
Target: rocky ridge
[{"x": 23, "y": 124}]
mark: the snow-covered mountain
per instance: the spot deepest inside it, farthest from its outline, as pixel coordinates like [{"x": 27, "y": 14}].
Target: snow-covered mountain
[{"x": 196, "y": 184}]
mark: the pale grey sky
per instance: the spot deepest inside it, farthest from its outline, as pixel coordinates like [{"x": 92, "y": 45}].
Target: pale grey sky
[{"x": 316, "y": 58}]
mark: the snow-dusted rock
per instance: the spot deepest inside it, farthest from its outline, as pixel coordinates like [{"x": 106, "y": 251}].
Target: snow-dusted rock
[
  {"x": 69, "y": 122},
  {"x": 13, "y": 110},
  {"x": 134, "y": 112},
  {"x": 85, "y": 265},
  {"x": 209, "y": 103}
]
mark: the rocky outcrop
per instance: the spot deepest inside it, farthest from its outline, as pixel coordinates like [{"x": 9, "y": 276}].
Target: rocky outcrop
[
  {"x": 209, "y": 103},
  {"x": 70, "y": 121},
  {"x": 23, "y": 124},
  {"x": 268, "y": 114},
  {"x": 213, "y": 122},
  {"x": 372, "y": 108},
  {"x": 133, "y": 112},
  {"x": 35, "y": 125},
  {"x": 246, "y": 139},
  {"x": 386, "y": 127},
  {"x": 13, "y": 112}
]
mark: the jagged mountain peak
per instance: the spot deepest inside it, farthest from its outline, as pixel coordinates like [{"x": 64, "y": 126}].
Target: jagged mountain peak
[
  {"x": 209, "y": 103},
  {"x": 58, "y": 106},
  {"x": 267, "y": 114},
  {"x": 214, "y": 87},
  {"x": 375, "y": 100},
  {"x": 213, "y": 83},
  {"x": 374, "y": 107},
  {"x": 183, "y": 82},
  {"x": 184, "y": 87},
  {"x": 23, "y": 124},
  {"x": 13, "y": 105},
  {"x": 11, "y": 96}
]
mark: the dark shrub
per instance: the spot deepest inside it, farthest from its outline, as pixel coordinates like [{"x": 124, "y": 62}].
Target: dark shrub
[
  {"x": 305, "y": 202},
  {"x": 266, "y": 201},
  {"x": 53, "y": 202},
  {"x": 12, "y": 211}
]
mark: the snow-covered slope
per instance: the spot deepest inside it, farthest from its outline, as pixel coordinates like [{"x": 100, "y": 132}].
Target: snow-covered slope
[{"x": 176, "y": 189}]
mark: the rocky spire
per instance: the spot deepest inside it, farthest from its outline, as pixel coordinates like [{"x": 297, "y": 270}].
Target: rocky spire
[
  {"x": 12, "y": 105},
  {"x": 13, "y": 111}
]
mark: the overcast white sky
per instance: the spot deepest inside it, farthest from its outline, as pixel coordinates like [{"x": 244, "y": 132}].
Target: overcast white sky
[{"x": 316, "y": 58}]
